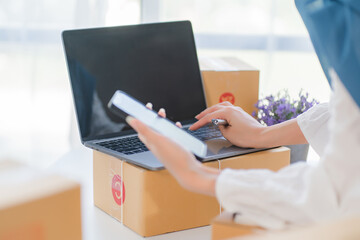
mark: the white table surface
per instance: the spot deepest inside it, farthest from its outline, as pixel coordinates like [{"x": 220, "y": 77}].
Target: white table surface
[{"x": 96, "y": 224}]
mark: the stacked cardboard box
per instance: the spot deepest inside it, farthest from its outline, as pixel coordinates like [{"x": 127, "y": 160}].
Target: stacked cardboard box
[
  {"x": 230, "y": 79},
  {"x": 224, "y": 227},
  {"x": 37, "y": 205},
  {"x": 152, "y": 202}
]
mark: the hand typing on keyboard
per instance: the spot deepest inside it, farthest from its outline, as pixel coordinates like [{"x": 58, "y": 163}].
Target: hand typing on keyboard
[
  {"x": 243, "y": 129},
  {"x": 246, "y": 131},
  {"x": 204, "y": 133}
]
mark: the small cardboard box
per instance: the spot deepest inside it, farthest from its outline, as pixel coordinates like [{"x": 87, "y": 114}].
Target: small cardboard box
[
  {"x": 37, "y": 205},
  {"x": 230, "y": 79},
  {"x": 152, "y": 202},
  {"x": 224, "y": 227}
]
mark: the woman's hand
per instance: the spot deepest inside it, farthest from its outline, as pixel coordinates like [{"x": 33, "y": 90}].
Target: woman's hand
[
  {"x": 161, "y": 113},
  {"x": 243, "y": 129},
  {"x": 188, "y": 171}
]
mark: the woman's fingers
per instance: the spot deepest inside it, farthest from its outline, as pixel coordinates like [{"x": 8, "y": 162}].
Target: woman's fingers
[
  {"x": 207, "y": 119},
  {"x": 213, "y": 109},
  {"x": 146, "y": 134},
  {"x": 161, "y": 112},
  {"x": 155, "y": 142},
  {"x": 202, "y": 121},
  {"x": 207, "y": 111},
  {"x": 149, "y": 105}
]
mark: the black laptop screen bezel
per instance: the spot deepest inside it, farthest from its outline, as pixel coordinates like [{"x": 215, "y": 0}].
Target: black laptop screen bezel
[{"x": 69, "y": 34}]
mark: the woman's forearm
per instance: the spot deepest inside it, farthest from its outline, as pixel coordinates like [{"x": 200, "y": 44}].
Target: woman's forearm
[
  {"x": 200, "y": 179},
  {"x": 285, "y": 133},
  {"x": 196, "y": 177},
  {"x": 193, "y": 175}
]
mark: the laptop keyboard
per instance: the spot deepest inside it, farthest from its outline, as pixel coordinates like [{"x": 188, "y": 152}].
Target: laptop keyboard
[
  {"x": 132, "y": 145},
  {"x": 205, "y": 133},
  {"x": 128, "y": 145}
]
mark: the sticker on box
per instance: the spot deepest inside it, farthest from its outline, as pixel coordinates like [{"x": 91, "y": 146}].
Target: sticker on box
[
  {"x": 118, "y": 190},
  {"x": 228, "y": 96}
]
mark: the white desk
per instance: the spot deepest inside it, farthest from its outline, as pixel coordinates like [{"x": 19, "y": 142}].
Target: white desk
[{"x": 96, "y": 224}]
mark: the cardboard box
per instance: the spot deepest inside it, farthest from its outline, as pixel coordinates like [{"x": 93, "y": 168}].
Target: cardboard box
[
  {"x": 152, "y": 202},
  {"x": 223, "y": 227},
  {"x": 36, "y": 205},
  {"x": 230, "y": 79}
]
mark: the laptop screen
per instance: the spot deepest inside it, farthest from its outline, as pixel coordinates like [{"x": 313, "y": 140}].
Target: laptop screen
[{"x": 152, "y": 62}]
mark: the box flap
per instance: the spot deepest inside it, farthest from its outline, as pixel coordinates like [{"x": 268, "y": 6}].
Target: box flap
[
  {"x": 224, "y": 64},
  {"x": 20, "y": 183},
  {"x": 341, "y": 228}
]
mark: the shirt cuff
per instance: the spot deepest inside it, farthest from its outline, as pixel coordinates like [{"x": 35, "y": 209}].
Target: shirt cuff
[
  {"x": 234, "y": 184},
  {"x": 314, "y": 125}
]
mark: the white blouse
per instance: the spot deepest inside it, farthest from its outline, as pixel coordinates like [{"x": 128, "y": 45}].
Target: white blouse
[{"x": 302, "y": 193}]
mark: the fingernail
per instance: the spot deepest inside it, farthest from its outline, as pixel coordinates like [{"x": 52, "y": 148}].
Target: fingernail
[
  {"x": 149, "y": 105},
  {"x": 129, "y": 119},
  {"x": 162, "y": 110}
]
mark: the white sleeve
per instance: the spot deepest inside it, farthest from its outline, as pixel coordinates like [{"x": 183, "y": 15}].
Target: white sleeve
[
  {"x": 302, "y": 193},
  {"x": 314, "y": 125}
]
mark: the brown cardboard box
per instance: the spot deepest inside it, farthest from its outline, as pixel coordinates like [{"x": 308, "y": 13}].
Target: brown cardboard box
[
  {"x": 230, "y": 79},
  {"x": 152, "y": 202},
  {"x": 36, "y": 205},
  {"x": 224, "y": 227}
]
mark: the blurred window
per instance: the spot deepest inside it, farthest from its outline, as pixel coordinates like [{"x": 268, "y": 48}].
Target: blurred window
[
  {"x": 35, "y": 96},
  {"x": 267, "y": 34}
]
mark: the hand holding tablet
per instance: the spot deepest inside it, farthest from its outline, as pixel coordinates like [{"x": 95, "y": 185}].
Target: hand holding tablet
[{"x": 124, "y": 105}]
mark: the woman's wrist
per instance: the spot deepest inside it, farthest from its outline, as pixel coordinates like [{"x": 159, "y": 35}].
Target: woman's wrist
[
  {"x": 199, "y": 178},
  {"x": 285, "y": 133},
  {"x": 263, "y": 137}
]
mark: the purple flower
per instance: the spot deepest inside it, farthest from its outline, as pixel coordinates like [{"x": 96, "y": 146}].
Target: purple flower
[{"x": 276, "y": 109}]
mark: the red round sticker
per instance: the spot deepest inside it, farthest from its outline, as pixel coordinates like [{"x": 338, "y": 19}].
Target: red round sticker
[
  {"x": 228, "y": 96},
  {"x": 118, "y": 189}
]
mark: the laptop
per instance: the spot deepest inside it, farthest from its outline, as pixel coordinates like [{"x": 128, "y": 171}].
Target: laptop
[{"x": 154, "y": 63}]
